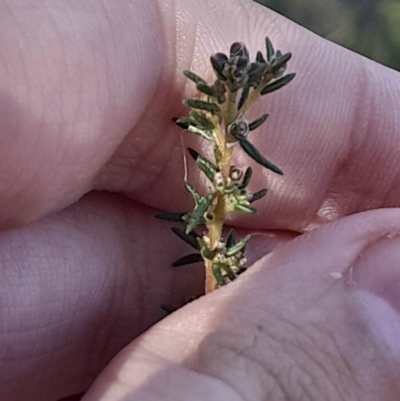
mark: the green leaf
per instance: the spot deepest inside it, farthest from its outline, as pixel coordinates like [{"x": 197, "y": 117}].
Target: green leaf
[
  {"x": 278, "y": 84},
  {"x": 196, "y": 216},
  {"x": 253, "y": 152},
  {"x": 203, "y": 122},
  {"x": 216, "y": 268},
  {"x": 256, "y": 123},
  {"x": 188, "y": 259},
  {"x": 176, "y": 217},
  {"x": 270, "y": 48},
  {"x": 190, "y": 239},
  {"x": 202, "y": 105},
  {"x": 233, "y": 250},
  {"x": 204, "y": 164},
  {"x": 208, "y": 90},
  {"x": 230, "y": 189},
  {"x": 241, "y": 208},
  {"x": 194, "y": 77},
  {"x": 193, "y": 191},
  {"x": 209, "y": 135}
]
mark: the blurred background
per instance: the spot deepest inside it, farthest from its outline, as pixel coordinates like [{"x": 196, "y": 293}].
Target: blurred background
[{"x": 369, "y": 27}]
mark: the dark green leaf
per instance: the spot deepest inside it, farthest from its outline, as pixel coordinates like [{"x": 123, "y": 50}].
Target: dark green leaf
[
  {"x": 231, "y": 239},
  {"x": 278, "y": 84},
  {"x": 256, "y": 73},
  {"x": 193, "y": 191},
  {"x": 218, "y": 62},
  {"x": 208, "y": 90},
  {"x": 241, "y": 270},
  {"x": 190, "y": 239},
  {"x": 244, "y": 96},
  {"x": 188, "y": 259},
  {"x": 194, "y": 77},
  {"x": 204, "y": 122},
  {"x": 232, "y": 251},
  {"x": 256, "y": 123},
  {"x": 202, "y": 105},
  {"x": 244, "y": 209},
  {"x": 260, "y": 58},
  {"x": 176, "y": 217},
  {"x": 270, "y": 48},
  {"x": 196, "y": 217},
  {"x": 253, "y": 152},
  {"x": 258, "y": 195},
  {"x": 220, "y": 90},
  {"x": 194, "y": 153},
  {"x": 168, "y": 309},
  {"x": 247, "y": 177},
  {"x": 204, "y": 164},
  {"x": 182, "y": 122},
  {"x": 280, "y": 63},
  {"x": 239, "y": 49}
]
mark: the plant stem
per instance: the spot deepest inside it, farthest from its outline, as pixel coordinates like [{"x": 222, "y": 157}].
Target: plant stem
[{"x": 220, "y": 210}]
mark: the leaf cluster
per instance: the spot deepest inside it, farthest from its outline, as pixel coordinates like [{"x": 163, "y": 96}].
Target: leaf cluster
[{"x": 218, "y": 116}]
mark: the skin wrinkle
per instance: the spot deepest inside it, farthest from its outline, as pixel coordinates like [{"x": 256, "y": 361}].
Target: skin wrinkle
[
  {"x": 98, "y": 350},
  {"x": 106, "y": 300},
  {"x": 336, "y": 354},
  {"x": 223, "y": 344},
  {"x": 292, "y": 348},
  {"x": 226, "y": 345},
  {"x": 293, "y": 33},
  {"x": 62, "y": 148},
  {"x": 364, "y": 118}
]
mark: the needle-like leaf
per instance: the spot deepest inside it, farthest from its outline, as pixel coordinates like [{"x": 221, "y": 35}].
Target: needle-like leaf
[
  {"x": 188, "y": 259},
  {"x": 253, "y": 152},
  {"x": 175, "y": 217},
  {"x": 190, "y": 239},
  {"x": 278, "y": 84},
  {"x": 233, "y": 250}
]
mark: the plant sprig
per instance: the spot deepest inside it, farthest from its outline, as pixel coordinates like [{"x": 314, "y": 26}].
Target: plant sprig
[{"x": 218, "y": 116}]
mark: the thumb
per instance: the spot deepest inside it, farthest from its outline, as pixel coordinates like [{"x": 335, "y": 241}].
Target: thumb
[{"x": 315, "y": 319}]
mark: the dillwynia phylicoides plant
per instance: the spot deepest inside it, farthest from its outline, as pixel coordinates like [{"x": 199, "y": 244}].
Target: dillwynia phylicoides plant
[{"x": 218, "y": 115}]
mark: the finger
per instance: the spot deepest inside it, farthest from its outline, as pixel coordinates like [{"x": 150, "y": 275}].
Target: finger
[
  {"x": 71, "y": 89},
  {"x": 333, "y": 130},
  {"x": 80, "y": 285},
  {"x": 303, "y": 323}
]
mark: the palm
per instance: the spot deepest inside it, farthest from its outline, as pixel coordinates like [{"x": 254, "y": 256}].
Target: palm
[{"x": 95, "y": 115}]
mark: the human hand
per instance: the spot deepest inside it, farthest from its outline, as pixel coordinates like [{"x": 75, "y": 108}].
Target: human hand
[{"x": 87, "y": 93}]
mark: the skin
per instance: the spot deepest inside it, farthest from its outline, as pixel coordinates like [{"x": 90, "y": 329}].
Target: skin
[{"x": 88, "y": 153}]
